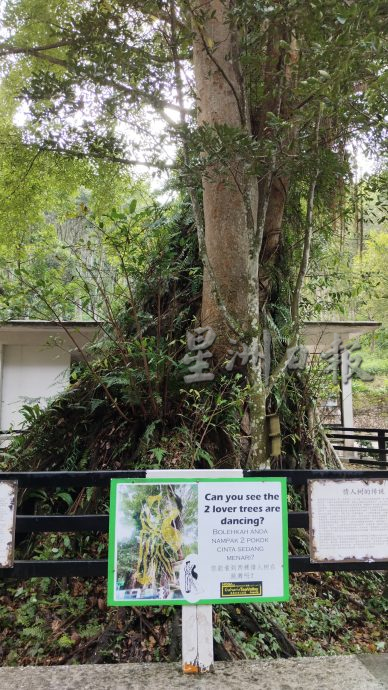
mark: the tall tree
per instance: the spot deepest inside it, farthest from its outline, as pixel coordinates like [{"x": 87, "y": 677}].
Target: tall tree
[{"x": 278, "y": 87}]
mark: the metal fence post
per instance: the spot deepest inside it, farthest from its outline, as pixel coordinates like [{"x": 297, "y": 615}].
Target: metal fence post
[{"x": 381, "y": 444}]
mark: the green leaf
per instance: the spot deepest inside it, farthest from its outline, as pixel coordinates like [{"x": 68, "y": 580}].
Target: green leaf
[
  {"x": 158, "y": 454},
  {"x": 202, "y": 454},
  {"x": 95, "y": 403},
  {"x": 65, "y": 642},
  {"x": 132, "y": 206},
  {"x": 65, "y": 497}
]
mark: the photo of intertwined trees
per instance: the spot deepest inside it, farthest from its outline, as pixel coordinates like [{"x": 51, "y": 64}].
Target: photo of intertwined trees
[{"x": 156, "y": 528}]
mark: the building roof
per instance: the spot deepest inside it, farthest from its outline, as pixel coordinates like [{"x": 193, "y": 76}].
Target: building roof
[
  {"x": 41, "y": 323},
  {"x": 318, "y": 335},
  {"x": 67, "y": 334}
]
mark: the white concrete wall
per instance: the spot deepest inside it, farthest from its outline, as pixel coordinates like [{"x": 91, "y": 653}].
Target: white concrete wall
[{"x": 29, "y": 372}]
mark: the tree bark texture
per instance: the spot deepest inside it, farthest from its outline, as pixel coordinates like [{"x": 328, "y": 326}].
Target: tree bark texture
[
  {"x": 227, "y": 191},
  {"x": 243, "y": 214}
]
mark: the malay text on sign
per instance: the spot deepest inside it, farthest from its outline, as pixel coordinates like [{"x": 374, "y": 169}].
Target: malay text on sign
[
  {"x": 348, "y": 520},
  {"x": 198, "y": 541},
  {"x": 7, "y": 523}
]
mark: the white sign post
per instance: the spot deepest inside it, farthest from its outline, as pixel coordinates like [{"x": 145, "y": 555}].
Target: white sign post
[
  {"x": 8, "y": 491},
  {"x": 197, "y": 639}
]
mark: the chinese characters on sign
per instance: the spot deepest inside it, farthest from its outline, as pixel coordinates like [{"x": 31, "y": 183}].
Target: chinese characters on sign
[
  {"x": 339, "y": 358},
  {"x": 348, "y": 519}
]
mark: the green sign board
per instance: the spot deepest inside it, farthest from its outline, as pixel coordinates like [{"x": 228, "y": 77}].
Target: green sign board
[{"x": 197, "y": 541}]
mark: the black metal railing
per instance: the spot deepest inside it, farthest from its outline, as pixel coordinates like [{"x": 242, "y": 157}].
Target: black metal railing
[
  {"x": 343, "y": 439},
  {"x": 27, "y": 524}
]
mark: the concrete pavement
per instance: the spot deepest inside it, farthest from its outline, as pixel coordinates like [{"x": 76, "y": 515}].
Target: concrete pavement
[{"x": 366, "y": 672}]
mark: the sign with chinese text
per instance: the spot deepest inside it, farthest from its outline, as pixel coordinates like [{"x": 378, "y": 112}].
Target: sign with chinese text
[
  {"x": 348, "y": 520},
  {"x": 198, "y": 541},
  {"x": 8, "y": 492}
]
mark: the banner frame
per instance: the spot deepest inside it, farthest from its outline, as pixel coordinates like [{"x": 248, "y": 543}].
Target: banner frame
[{"x": 182, "y": 602}]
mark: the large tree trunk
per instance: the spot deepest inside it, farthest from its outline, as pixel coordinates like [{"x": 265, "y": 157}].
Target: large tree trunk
[
  {"x": 242, "y": 217},
  {"x": 230, "y": 199},
  {"x": 229, "y": 195}
]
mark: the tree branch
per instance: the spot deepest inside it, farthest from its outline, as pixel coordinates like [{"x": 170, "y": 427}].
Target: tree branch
[
  {"x": 303, "y": 268},
  {"x": 308, "y": 232},
  {"x": 73, "y": 153},
  {"x": 8, "y": 49},
  {"x": 38, "y": 52}
]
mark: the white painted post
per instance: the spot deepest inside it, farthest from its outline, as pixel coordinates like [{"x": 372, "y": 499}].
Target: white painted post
[
  {"x": 347, "y": 401},
  {"x": 197, "y": 639},
  {"x": 347, "y": 395}
]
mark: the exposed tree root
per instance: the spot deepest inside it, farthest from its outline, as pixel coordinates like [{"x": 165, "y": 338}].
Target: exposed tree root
[{"x": 252, "y": 618}]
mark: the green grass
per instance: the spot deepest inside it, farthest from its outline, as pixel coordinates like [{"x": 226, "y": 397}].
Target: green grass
[
  {"x": 375, "y": 363},
  {"x": 371, "y": 397}
]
